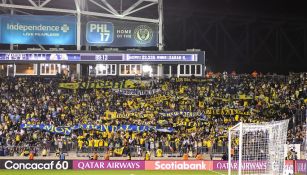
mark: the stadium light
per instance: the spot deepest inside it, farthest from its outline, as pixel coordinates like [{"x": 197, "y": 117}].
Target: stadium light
[
  {"x": 34, "y": 49},
  {"x": 111, "y": 49},
  {"x": 193, "y": 50}
]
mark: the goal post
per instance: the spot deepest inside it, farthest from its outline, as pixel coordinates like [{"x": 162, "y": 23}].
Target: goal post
[{"x": 257, "y": 148}]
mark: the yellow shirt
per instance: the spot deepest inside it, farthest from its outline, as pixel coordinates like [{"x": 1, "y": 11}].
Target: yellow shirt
[
  {"x": 96, "y": 143},
  {"x": 17, "y": 138},
  {"x": 142, "y": 141},
  {"x": 220, "y": 143},
  {"x": 147, "y": 156},
  {"x": 80, "y": 143},
  {"x": 106, "y": 143},
  {"x": 159, "y": 153},
  {"x": 100, "y": 143},
  {"x": 91, "y": 143},
  {"x": 109, "y": 134},
  {"x": 209, "y": 144},
  {"x": 237, "y": 117},
  {"x": 133, "y": 135}
]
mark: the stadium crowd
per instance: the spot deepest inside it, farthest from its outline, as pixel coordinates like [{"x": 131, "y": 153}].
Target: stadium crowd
[{"x": 199, "y": 111}]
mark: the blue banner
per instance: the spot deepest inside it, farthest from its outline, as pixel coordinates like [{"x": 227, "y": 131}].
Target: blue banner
[
  {"x": 67, "y": 130},
  {"x": 137, "y": 92},
  {"x": 35, "y": 29},
  {"x": 180, "y": 113},
  {"x": 116, "y": 33},
  {"x": 48, "y": 128}
]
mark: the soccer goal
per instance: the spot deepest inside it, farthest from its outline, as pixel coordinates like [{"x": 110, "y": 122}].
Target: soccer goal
[{"x": 257, "y": 148}]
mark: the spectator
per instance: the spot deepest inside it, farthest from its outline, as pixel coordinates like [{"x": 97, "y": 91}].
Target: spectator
[
  {"x": 31, "y": 156},
  {"x": 107, "y": 156},
  {"x": 44, "y": 152},
  {"x": 62, "y": 156},
  {"x": 213, "y": 105},
  {"x": 185, "y": 156},
  {"x": 199, "y": 157},
  {"x": 147, "y": 155},
  {"x": 95, "y": 156},
  {"x": 225, "y": 157},
  {"x": 159, "y": 152}
]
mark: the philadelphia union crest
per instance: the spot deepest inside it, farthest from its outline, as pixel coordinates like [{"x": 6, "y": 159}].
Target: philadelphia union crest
[{"x": 143, "y": 34}]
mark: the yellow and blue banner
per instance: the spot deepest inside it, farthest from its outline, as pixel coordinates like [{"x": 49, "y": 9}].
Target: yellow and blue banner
[{"x": 66, "y": 130}]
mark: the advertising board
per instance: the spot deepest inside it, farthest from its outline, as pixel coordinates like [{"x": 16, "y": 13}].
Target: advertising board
[{"x": 38, "y": 29}]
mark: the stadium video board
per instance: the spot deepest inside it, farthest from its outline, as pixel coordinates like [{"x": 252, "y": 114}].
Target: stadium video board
[
  {"x": 62, "y": 30},
  {"x": 128, "y": 57},
  {"x": 38, "y": 29},
  {"x": 116, "y": 33}
]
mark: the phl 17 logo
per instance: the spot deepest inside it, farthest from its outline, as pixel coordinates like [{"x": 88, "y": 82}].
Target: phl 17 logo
[{"x": 99, "y": 32}]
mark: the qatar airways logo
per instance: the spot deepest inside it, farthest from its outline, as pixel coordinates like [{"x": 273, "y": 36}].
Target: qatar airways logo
[
  {"x": 109, "y": 165},
  {"x": 248, "y": 165}
]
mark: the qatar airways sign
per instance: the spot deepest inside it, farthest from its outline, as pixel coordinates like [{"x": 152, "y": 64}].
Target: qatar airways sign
[
  {"x": 247, "y": 165},
  {"x": 300, "y": 165},
  {"x": 108, "y": 165}
]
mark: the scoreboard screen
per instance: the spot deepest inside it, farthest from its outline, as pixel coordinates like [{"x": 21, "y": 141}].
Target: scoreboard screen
[{"x": 123, "y": 57}]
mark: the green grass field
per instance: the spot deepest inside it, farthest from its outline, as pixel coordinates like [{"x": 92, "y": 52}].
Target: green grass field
[{"x": 105, "y": 172}]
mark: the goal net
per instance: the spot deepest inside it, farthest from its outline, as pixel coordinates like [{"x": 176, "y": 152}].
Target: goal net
[{"x": 257, "y": 148}]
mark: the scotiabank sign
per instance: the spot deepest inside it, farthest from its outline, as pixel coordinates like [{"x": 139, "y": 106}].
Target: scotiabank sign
[
  {"x": 108, "y": 165},
  {"x": 178, "y": 165},
  {"x": 35, "y": 164},
  {"x": 300, "y": 165}
]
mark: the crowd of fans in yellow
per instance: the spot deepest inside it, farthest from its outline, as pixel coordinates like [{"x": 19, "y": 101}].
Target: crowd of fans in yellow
[{"x": 194, "y": 114}]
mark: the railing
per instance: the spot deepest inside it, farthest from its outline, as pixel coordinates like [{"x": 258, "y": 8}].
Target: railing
[
  {"x": 86, "y": 151},
  {"x": 139, "y": 151}
]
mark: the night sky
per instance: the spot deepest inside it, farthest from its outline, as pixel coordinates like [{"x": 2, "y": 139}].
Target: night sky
[{"x": 241, "y": 35}]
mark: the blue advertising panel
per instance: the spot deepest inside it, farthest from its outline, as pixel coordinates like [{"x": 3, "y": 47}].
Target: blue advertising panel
[
  {"x": 35, "y": 29},
  {"x": 116, "y": 33}
]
